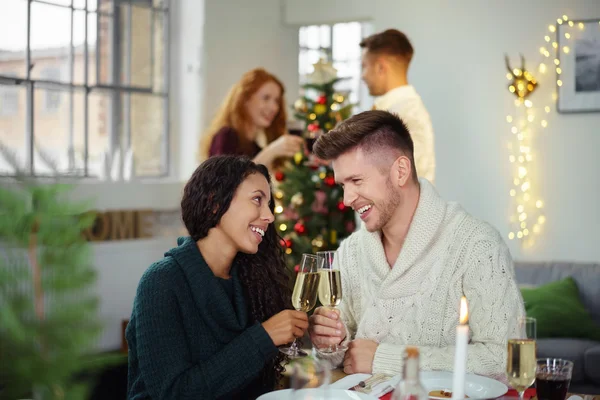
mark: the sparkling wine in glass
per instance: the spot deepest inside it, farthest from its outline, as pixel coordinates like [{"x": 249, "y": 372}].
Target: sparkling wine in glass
[
  {"x": 330, "y": 288},
  {"x": 521, "y": 365},
  {"x": 304, "y": 296}
]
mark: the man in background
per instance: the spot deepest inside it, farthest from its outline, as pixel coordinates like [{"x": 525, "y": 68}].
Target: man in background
[{"x": 385, "y": 61}]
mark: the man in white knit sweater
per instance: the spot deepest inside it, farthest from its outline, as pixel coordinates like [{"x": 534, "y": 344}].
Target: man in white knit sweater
[
  {"x": 385, "y": 61},
  {"x": 404, "y": 272}
]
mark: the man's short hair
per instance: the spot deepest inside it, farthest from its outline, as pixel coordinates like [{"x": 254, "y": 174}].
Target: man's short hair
[
  {"x": 390, "y": 42},
  {"x": 375, "y": 132}
]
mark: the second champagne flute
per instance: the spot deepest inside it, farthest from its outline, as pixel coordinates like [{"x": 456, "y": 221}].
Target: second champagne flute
[
  {"x": 330, "y": 289},
  {"x": 304, "y": 296},
  {"x": 522, "y": 363}
]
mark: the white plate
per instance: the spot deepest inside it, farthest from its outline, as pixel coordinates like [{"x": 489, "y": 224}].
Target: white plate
[
  {"x": 316, "y": 394},
  {"x": 476, "y": 386}
]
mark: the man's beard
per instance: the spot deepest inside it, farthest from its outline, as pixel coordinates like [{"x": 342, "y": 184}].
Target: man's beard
[{"x": 387, "y": 208}]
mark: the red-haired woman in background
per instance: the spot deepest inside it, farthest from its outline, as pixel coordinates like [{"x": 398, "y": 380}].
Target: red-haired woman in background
[{"x": 252, "y": 122}]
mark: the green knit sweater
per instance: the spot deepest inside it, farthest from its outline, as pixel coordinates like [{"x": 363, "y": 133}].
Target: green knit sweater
[{"x": 187, "y": 338}]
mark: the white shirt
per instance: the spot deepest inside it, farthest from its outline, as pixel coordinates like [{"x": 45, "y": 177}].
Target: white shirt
[
  {"x": 406, "y": 102},
  {"x": 447, "y": 254}
]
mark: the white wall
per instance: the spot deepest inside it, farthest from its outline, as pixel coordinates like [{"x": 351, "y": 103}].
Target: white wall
[{"x": 459, "y": 71}]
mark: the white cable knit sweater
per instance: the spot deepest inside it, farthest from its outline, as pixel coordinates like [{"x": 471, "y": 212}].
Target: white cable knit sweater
[{"x": 446, "y": 254}]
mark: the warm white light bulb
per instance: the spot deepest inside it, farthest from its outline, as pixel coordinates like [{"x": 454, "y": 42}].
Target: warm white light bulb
[{"x": 511, "y": 236}]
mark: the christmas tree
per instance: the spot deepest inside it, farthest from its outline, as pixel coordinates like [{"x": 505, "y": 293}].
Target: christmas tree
[
  {"x": 310, "y": 212},
  {"x": 48, "y": 312}
]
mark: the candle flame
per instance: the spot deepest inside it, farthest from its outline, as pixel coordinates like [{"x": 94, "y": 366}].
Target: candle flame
[{"x": 464, "y": 311}]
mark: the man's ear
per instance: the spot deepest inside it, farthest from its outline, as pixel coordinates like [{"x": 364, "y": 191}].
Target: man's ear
[{"x": 402, "y": 170}]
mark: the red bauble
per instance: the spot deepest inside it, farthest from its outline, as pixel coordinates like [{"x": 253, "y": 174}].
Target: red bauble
[
  {"x": 297, "y": 268},
  {"x": 341, "y": 206},
  {"x": 313, "y": 127},
  {"x": 322, "y": 99},
  {"x": 330, "y": 181},
  {"x": 288, "y": 243},
  {"x": 299, "y": 228},
  {"x": 279, "y": 176}
]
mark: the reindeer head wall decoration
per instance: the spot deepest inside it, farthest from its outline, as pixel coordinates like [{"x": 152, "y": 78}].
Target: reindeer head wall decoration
[{"x": 522, "y": 82}]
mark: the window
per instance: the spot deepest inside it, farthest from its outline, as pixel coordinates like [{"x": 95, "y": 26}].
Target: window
[
  {"x": 80, "y": 79},
  {"x": 52, "y": 97},
  {"x": 338, "y": 43},
  {"x": 9, "y": 97}
]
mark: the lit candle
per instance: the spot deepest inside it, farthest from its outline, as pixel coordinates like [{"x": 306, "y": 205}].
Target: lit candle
[{"x": 460, "y": 355}]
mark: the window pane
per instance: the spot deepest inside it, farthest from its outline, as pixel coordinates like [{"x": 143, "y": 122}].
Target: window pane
[
  {"x": 147, "y": 133},
  {"x": 13, "y": 37},
  {"x": 159, "y": 52},
  {"x": 313, "y": 37},
  {"x": 51, "y": 131},
  {"x": 104, "y": 45},
  {"x": 346, "y": 39},
  {"x": 79, "y": 63},
  {"x": 99, "y": 112},
  {"x": 325, "y": 36},
  {"x": 140, "y": 53},
  {"x": 50, "y": 41},
  {"x": 12, "y": 125}
]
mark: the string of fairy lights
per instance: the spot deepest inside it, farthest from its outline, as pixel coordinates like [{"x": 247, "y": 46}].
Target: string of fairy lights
[{"x": 528, "y": 218}]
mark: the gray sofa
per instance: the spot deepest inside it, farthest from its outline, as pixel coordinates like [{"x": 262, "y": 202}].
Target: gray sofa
[{"x": 585, "y": 354}]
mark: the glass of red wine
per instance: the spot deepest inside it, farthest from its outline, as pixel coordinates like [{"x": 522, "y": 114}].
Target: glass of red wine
[
  {"x": 552, "y": 378},
  {"x": 295, "y": 127}
]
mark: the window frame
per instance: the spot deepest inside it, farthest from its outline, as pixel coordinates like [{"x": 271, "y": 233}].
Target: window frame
[{"x": 119, "y": 135}]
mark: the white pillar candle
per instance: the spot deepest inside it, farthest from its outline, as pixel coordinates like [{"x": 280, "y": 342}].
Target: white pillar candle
[{"x": 460, "y": 355}]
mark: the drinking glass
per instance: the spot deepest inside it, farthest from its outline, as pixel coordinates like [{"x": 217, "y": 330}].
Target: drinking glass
[
  {"x": 521, "y": 364},
  {"x": 309, "y": 378},
  {"x": 552, "y": 378},
  {"x": 330, "y": 289},
  {"x": 295, "y": 127},
  {"x": 304, "y": 296}
]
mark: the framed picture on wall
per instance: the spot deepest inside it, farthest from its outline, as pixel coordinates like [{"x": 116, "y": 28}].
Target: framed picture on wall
[{"x": 578, "y": 72}]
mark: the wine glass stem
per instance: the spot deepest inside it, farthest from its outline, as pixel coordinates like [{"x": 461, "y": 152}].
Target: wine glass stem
[
  {"x": 294, "y": 349},
  {"x": 521, "y": 395}
]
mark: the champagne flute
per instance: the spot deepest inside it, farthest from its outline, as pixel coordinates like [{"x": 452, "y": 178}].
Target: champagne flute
[
  {"x": 522, "y": 362},
  {"x": 304, "y": 296},
  {"x": 330, "y": 289}
]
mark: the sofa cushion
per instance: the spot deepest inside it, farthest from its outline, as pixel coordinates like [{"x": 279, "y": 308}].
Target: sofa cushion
[
  {"x": 559, "y": 311},
  {"x": 586, "y": 276},
  {"x": 567, "y": 349},
  {"x": 592, "y": 364}
]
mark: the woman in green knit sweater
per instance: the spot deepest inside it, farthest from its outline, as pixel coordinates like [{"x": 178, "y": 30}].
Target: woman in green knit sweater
[{"x": 208, "y": 317}]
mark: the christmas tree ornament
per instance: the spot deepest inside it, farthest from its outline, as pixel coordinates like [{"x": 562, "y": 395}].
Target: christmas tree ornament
[
  {"x": 322, "y": 175},
  {"x": 320, "y": 109},
  {"x": 323, "y": 72},
  {"x": 338, "y": 97},
  {"x": 341, "y": 206},
  {"x": 300, "y": 228},
  {"x": 314, "y": 127},
  {"x": 280, "y": 176},
  {"x": 322, "y": 99},
  {"x": 297, "y": 199},
  {"x": 288, "y": 251},
  {"x": 328, "y": 125},
  {"x": 333, "y": 236},
  {"x": 300, "y": 105},
  {"x": 315, "y": 178},
  {"x": 298, "y": 157},
  {"x": 329, "y": 181},
  {"x": 279, "y": 194},
  {"x": 318, "y": 242}
]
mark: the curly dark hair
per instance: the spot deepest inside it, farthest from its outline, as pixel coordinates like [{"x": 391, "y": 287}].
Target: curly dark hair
[{"x": 206, "y": 197}]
